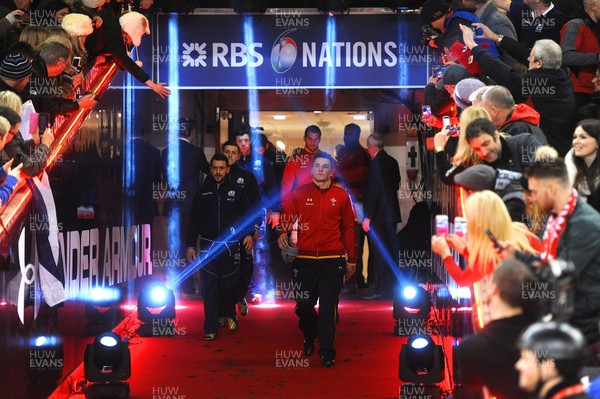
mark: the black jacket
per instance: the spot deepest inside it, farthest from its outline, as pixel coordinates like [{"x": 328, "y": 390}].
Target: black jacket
[
  {"x": 380, "y": 194},
  {"x": 517, "y": 154},
  {"x": 108, "y": 40},
  {"x": 41, "y": 91},
  {"x": 34, "y": 159},
  {"x": 518, "y": 127},
  {"x": 219, "y": 213},
  {"x": 496, "y": 369},
  {"x": 247, "y": 182},
  {"x": 579, "y": 244},
  {"x": 549, "y": 91}
]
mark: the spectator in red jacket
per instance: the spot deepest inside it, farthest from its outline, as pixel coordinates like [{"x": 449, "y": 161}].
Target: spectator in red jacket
[
  {"x": 580, "y": 43},
  {"x": 510, "y": 118},
  {"x": 326, "y": 253}
]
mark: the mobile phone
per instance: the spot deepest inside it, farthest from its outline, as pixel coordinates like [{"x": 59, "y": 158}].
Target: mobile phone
[
  {"x": 494, "y": 240},
  {"x": 453, "y": 131},
  {"x": 426, "y": 109},
  {"x": 460, "y": 226},
  {"x": 441, "y": 225},
  {"x": 77, "y": 64},
  {"x": 33, "y": 122},
  {"x": 474, "y": 29},
  {"x": 43, "y": 122},
  {"x": 446, "y": 121},
  {"x": 438, "y": 70},
  {"x": 18, "y": 160}
]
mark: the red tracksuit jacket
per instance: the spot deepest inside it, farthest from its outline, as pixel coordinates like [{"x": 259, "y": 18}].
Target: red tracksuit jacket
[{"x": 325, "y": 222}]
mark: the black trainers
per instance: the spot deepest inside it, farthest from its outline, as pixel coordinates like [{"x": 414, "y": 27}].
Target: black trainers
[
  {"x": 233, "y": 324},
  {"x": 309, "y": 347},
  {"x": 210, "y": 336},
  {"x": 327, "y": 361},
  {"x": 243, "y": 307}
]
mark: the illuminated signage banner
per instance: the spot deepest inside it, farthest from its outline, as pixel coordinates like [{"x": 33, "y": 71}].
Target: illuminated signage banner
[{"x": 289, "y": 50}]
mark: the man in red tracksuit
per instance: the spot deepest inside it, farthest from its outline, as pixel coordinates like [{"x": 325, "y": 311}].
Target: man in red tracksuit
[
  {"x": 297, "y": 171},
  {"x": 326, "y": 253}
]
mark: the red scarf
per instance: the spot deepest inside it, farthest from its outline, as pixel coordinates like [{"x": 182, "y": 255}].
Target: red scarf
[{"x": 555, "y": 227}]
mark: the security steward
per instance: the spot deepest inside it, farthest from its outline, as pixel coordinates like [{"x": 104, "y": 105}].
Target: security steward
[
  {"x": 218, "y": 218},
  {"x": 326, "y": 253}
]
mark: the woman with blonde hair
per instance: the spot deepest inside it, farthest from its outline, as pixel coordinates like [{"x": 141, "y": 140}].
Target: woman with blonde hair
[
  {"x": 464, "y": 155},
  {"x": 11, "y": 100},
  {"x": 483, "y": 210},
  {"x": 35, "y": 36}
]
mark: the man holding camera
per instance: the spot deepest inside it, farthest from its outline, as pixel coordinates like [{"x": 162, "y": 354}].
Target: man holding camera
[
  {"x": 52, "y": 59},
  {"x": 571, "y": 234}
]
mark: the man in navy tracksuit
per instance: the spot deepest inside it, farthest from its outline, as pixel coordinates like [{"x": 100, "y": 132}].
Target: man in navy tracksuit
[{"x": 219, "y": 216}]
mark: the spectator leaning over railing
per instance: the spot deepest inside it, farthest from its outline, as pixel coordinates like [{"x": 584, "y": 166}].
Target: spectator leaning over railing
[
  {"x": 33, "y": 153},
  {"x": 114, "y": 40},
  {"x": 546, "y": 85}
]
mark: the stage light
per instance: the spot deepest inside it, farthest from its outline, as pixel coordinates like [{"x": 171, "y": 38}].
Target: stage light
[
  {"x": 412, "y": 301},
  {"x": 421, "y": 360},
  {"x": 107, "y": 364},
  {"x": 409, "y": 292},
  {"x": 46, "y": 359},
  {"x": 156, "y": 306},
  {"x": 102, "y": 309}
]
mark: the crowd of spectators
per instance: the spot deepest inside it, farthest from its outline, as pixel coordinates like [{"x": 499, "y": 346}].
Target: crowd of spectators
[
  {"x": 526, "y": 150},
  {"x": 48, "y": 47}
]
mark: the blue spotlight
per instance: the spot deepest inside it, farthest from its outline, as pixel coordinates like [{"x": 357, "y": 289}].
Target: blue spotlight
[
  {"x": 421, "y": 360},
  {"x": 45, "y": 358},
  {"x": 155, "y": 304},
  {"x": 419, "y": 342},
  {"x": 103, "y": 307},
  {"x": 40, "y": 341},
  {"x": 409, "y": 292},
  {"x": 104, "y": 294},
  {"x": 412, "y": 302},
  {"x": 107, "y": 364},
  {"x": 108, "y": 340},
  {"x": 158, "y": 294}
]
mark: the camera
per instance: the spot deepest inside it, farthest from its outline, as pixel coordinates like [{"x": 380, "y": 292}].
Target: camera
[{"x": 556, "y": 278}]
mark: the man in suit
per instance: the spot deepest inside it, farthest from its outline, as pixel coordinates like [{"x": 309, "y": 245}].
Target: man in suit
[{"x": 382, "y": 213}]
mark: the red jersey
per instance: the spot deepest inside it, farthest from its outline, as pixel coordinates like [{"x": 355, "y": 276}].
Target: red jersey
[
  {"x": 297, "y": 173},
  {"x": 325, "y": 222}
]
